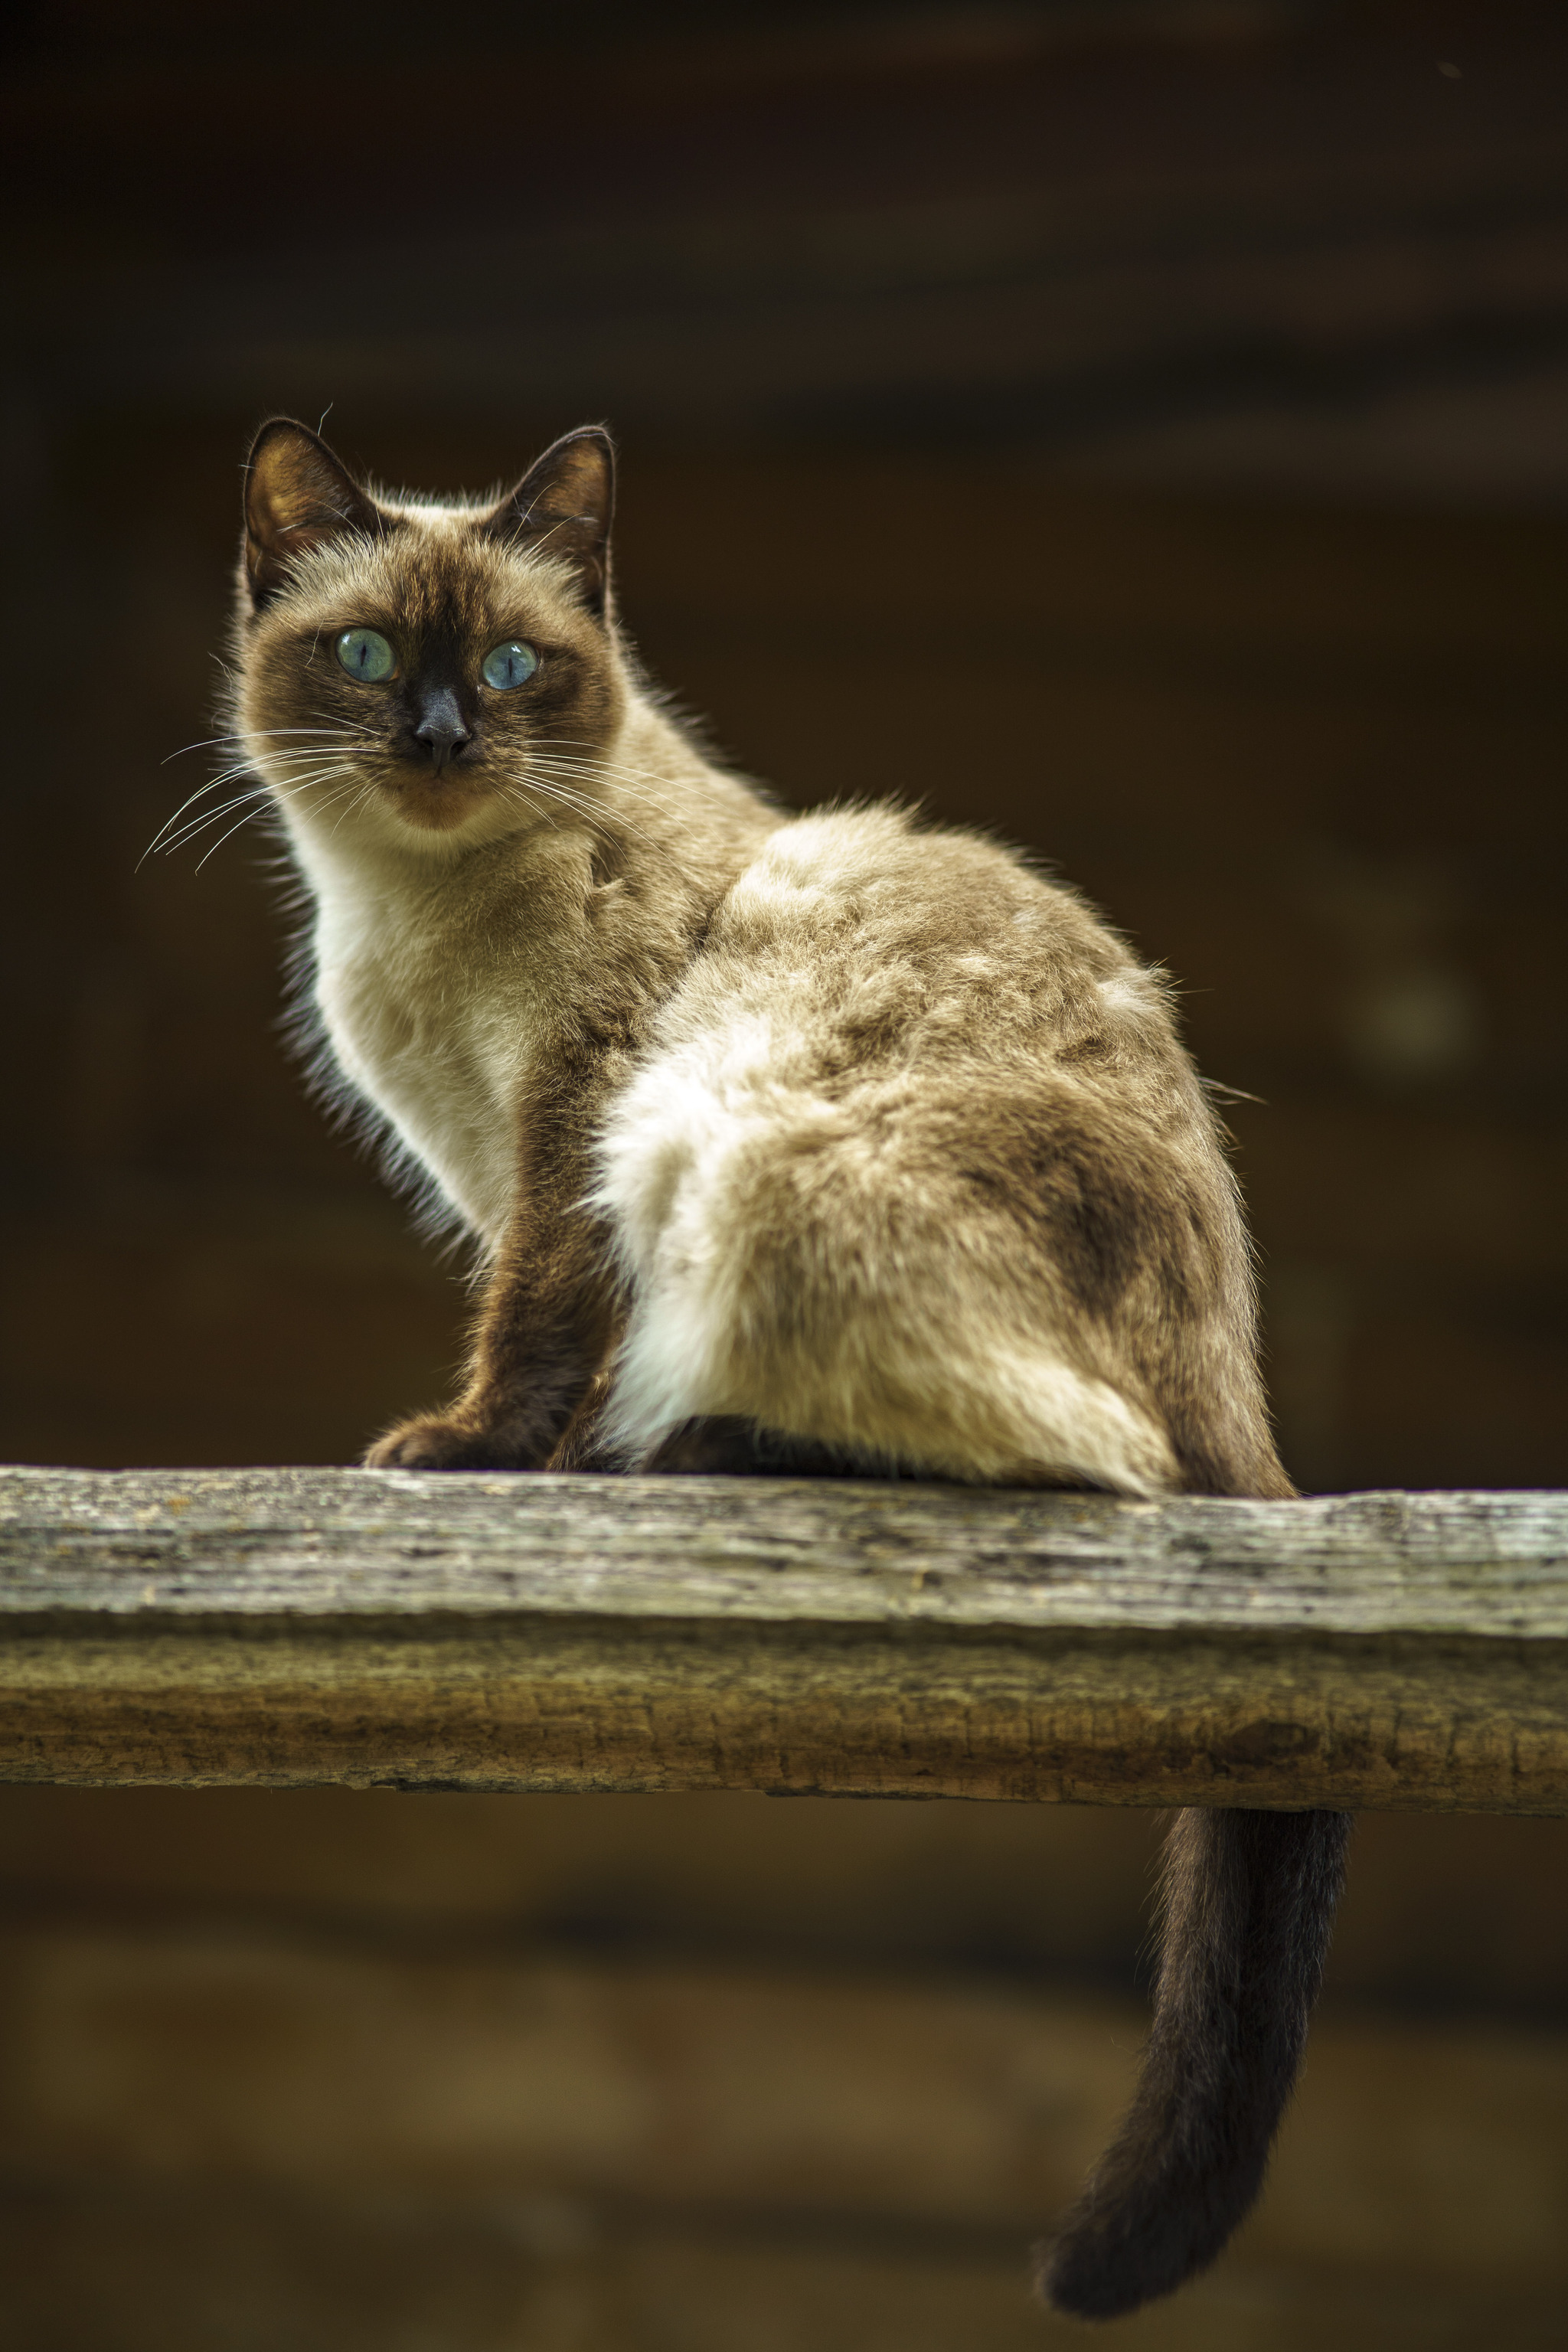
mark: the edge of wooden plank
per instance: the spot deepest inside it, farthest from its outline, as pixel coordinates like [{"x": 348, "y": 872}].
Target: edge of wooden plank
[
  {"x": 287, "y": 1627},
  {"x": 251, "y": 1545}
]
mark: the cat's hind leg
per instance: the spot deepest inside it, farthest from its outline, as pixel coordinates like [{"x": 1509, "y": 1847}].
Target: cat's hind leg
[{"x": 820, "y": 1270}]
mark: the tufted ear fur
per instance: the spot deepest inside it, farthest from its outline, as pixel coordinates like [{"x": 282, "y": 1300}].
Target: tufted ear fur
[
  {"x": 297, "y": 493},
  {"x": 564, "y": 507}
]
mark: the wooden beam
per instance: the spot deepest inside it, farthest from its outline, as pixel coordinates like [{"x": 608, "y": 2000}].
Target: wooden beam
[{"x": 284, "y": 1627}]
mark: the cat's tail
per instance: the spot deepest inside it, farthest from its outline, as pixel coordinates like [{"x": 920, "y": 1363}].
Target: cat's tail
[{"x": 1250, "y": 1901}]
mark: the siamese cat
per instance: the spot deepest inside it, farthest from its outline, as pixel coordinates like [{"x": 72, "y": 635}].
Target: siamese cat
[{"x": 833, "y": 1143}]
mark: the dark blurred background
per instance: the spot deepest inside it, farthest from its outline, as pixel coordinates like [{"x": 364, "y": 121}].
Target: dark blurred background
[{"x": 1141, "y": 427}]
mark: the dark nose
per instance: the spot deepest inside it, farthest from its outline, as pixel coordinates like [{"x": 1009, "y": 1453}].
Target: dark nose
[{"x": 441, "y": 728}]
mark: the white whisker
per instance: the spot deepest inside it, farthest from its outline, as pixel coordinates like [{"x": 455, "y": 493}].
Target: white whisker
[
  {"x": 158, "y": 838},
  {"x": 262, "y": 808},
  {"x": 300, "y": 757},
  {"x": 619, "y": 768},
  {"x": 259, "y": 734},
  {"x": 258, "y": 792}
]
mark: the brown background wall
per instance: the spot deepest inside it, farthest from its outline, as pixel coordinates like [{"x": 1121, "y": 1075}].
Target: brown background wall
[{"x": 1145, "y": 442}]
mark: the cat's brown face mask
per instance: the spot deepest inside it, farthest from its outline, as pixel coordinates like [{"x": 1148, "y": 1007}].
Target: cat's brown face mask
[{"x": 446, "y": 668}]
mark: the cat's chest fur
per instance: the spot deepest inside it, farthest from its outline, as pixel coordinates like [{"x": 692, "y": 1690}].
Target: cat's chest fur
[{"x": 434, "y": 997}]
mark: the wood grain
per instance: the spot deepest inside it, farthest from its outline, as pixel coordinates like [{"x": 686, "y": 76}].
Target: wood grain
[{"x": 286, "y": 1626}]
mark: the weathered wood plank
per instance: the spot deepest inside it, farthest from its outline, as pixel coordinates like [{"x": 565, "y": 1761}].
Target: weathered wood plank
[{"x": 293, "y": 1626}]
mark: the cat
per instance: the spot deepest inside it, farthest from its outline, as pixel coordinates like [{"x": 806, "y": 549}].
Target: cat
[{"x": 800, "y": 1144}]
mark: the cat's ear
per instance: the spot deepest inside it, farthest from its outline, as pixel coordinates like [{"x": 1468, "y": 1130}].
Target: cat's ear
[
  {"x": 297, "y": 494},
  {"x": 564, "y": 506}
]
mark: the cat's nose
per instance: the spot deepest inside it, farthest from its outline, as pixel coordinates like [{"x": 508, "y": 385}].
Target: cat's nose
[{"x": 441, "y": 728}]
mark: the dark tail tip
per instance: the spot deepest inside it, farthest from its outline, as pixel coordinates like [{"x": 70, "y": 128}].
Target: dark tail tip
[
  {"x": 1104, "y": 2274},
  {"x": 1249, "y": 1902},
  {"x": 1115, "y": 2253}
]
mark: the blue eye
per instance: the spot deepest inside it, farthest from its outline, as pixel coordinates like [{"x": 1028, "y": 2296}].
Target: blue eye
[
  {"x": 508, "y": 665},
  {"x": 366, "y": 655}
]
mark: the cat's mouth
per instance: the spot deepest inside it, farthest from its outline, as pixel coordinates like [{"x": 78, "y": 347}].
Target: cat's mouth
[{"x": 437, "y": 803}]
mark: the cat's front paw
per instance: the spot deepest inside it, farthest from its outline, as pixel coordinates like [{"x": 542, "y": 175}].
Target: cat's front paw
[{"x": 432, "y": 1442}]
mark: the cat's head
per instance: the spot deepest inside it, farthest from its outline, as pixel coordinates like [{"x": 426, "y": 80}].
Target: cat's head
[{"x": 403, "y": 666}]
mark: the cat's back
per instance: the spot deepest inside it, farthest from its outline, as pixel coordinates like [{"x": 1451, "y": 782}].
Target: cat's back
[
  {"x": 924, "y": 1098},
  {"x": 863, "y": 941}
]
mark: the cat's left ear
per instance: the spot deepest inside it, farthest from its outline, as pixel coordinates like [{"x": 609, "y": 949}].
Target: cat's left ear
[
  {"x": 564, "y": 506},
  {"x": 297, "y": 493}
]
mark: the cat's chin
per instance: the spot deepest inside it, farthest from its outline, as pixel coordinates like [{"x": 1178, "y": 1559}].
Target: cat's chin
[{"x": 439, "y": 809}]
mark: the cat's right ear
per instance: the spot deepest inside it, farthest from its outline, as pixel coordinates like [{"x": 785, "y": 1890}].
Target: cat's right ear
[
  {"x": 564, "y": 506},
  {"x": 297, "y": 494}
]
